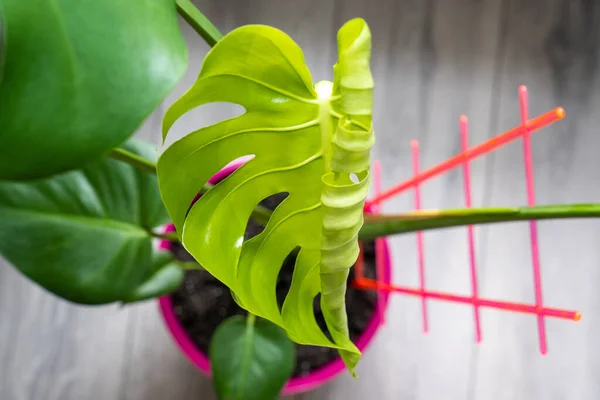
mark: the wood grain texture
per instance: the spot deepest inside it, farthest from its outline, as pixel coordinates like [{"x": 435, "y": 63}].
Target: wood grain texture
[
  {"x": 432, "y": 60},
  {"x": 554, "y": 50}
]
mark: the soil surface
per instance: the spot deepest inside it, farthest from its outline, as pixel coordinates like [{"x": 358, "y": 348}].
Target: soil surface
[{"x": 202, "y": 303}]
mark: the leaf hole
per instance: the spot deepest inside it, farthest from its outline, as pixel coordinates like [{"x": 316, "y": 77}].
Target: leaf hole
[
  {"x": 228, "y": 169},
  {"x": 354, "y": 178},
  {"x": 284, "y": 278},
  {"x": 240, "y": 160},
  {"x": 253, "y": 228},
  {"x": 319, "y": 316}
]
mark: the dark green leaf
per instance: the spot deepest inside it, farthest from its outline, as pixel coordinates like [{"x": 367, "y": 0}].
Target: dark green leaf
[
  {"x": 250, "y": 360},
  {"x": 166, "y": 274},
  {"x": 77, "y": 78},
  {"x": 84, "y": 234}
]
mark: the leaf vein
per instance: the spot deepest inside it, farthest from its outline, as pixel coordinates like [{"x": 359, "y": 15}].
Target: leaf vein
[
  {"x": 261, "y": 83},
  {"x": 239, "y": 132}
]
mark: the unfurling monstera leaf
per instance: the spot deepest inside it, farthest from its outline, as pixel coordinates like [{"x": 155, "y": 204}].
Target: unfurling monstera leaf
[{"x": 306, "y": 141}]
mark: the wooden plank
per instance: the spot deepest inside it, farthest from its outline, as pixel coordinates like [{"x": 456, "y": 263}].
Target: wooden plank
[
  {"x": 54, "y": 350},
  {"x": 432, "y": 60}
]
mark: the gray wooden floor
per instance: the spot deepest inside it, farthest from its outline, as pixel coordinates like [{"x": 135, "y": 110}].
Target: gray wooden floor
[{"x": 433, "y": 60}]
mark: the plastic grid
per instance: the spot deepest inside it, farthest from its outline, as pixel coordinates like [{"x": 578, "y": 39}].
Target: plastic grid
[{"x": 522, "y": 131}]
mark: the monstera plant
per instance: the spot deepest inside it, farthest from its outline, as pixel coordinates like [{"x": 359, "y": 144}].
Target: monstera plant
[
  {"x": 81, "y": 202},
  {"x": 306, "y": 141}
]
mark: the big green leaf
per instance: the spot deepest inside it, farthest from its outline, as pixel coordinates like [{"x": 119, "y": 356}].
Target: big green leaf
[
  {"x": 83, "y": 234},
  {"x": 77, "y": 78},
  {"x": 306, "y": 142},
  {"x": 250, "y": 360}
]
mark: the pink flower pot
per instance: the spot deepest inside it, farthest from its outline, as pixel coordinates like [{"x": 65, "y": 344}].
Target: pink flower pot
[{"x": 295, "y": 385}]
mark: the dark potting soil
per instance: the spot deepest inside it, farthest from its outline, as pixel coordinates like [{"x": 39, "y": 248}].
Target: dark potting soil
[{"x": 202, "y": 302}]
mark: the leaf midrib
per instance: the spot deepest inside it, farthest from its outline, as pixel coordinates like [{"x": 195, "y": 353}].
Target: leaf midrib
[
  {"x": 2, "y": 45},
  {"x": 261, "y": 83},
  {"x": 274, "y": 170},
  {"x": 289, "y": 128},
  {"x": 84, "y": 220},
  {"x": 58, "y": 12},
  {"x": 249, "y": 339}
]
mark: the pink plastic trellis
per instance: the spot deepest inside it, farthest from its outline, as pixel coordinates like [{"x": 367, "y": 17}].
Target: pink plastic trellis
[{"x": 523, "y": 131}]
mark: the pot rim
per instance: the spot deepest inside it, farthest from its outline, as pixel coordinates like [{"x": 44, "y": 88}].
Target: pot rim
[{"x": 296, "y": 385}]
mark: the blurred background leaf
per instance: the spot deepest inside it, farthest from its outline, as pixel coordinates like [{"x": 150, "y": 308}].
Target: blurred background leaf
[
  {"x": 77, "y": 78},
  {"x": 84, "y": 235}
]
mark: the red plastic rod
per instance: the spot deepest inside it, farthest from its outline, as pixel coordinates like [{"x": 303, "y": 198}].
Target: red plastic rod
[
  {"x": 420, "y": 252},
  {"x": 464, "y": 141},
  {"x": 474, "y": 152},
  {"x": 533, "y": 232},
  {"x": 370, "y": 284}
]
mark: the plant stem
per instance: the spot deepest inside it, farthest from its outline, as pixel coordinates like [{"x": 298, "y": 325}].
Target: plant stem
[
  {"x": 171, "y": 237},
  {"x": 190, "y": 265},
  {"x": 383, "y": 225},
  {"x": 133, "y": 159},
  {"x": 199, "y": 22}
]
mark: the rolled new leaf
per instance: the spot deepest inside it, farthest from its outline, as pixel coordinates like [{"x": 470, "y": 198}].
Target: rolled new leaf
[
  {"x": 353, "y": 80},
  {"x": 343, "y": 199},
  {"x": 343, "y": 202}
]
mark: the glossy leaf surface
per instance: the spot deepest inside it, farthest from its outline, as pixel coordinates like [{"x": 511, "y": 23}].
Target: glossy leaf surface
[
  {"x": 290, "y": 128},
  {"x": 83, "y": 234},
  {"x": 77, "y": 78},
  {"x": 250, "y": 360}
]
